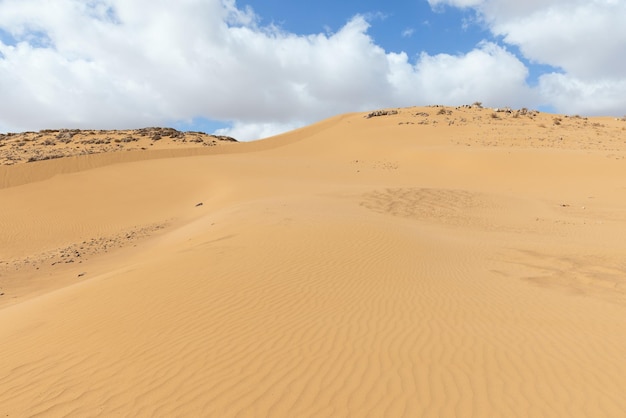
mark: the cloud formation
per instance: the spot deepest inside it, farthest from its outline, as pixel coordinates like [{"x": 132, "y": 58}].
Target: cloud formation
[
  {"x": 584, "y": 40},
  {"x": 121, "y": 64}
]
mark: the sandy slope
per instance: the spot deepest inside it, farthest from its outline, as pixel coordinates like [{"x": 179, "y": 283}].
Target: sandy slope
[{"x": 451, "y": 264}]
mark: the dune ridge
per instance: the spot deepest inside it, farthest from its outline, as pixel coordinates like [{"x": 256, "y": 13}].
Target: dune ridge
[{"x": 430, "y": 261}]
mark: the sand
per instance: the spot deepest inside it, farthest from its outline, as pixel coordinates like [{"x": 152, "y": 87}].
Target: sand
[{"x": 435, "y": 262}]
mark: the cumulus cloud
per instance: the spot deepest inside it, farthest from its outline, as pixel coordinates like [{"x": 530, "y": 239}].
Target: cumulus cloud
[
  {"x": 408, "y": 32},
  {"x": 247, "y": 130},
  {"x": 573, "y": 95},
  {"x": 121, "y": 64},
  {"x": 455, "y": 3},
  {"x": 117, "y": 64},
  {"x": 488, "y": 72},
  {"x": 584, "y": 40}
]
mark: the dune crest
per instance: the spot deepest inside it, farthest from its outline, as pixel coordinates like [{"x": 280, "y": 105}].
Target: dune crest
[{"x": 426, "y": 261}]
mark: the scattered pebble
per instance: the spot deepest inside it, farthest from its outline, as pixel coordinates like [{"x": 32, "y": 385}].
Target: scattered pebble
[{"x": 78, "y": 252}]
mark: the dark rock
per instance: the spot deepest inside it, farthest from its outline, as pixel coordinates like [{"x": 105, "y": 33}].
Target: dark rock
[
  {"x": 381, "y": 113},
  {"x": 224, "y": 138}
]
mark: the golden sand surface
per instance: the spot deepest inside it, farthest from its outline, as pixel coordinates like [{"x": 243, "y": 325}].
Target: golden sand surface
[{"x": 420, "y": 262}]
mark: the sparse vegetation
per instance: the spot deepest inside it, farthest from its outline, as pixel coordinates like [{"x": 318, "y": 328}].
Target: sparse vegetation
[
  {"x": 58, "y": 143},
  {"x": 381, "y": 113},
  {"x": 96, "y": 141},
  {"x": 44, "y": 157}
]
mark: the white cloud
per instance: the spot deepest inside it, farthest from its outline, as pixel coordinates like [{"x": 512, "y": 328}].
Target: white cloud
[
  {"x": 408, "y": 32},
  {"x": 584, "y": 39},
  {"x": 117, "y": 64},
  {"x": 243, "y": 130},
  {"x": 489, "y": 74},
  {"x": 572, "y": 95},
  {"x": 455, "y": 3}
]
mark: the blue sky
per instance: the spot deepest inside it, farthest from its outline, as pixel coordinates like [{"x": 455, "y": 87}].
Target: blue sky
[
  {"x": 397, "y": 26},
  {"x": 409, "y": 26},
  {"x": 255, "y": 68}
]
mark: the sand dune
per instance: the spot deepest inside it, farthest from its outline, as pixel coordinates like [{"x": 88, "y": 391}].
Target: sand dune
[{"x": 428, "y": 262}]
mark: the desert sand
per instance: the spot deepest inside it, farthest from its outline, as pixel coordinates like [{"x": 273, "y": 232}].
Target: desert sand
[{"x": 419, "y": 262}]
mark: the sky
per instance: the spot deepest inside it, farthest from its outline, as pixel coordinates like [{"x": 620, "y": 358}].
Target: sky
[{"x": 255, "y": 68}]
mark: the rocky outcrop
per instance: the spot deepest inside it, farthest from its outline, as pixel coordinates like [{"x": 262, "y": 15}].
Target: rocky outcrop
[
  {"x": 49, "y": 144},
  {"x": 381, "y": 113}
]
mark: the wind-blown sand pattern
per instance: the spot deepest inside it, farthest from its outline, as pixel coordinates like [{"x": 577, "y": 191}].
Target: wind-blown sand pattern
[{"x": 431, "y": 262}]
